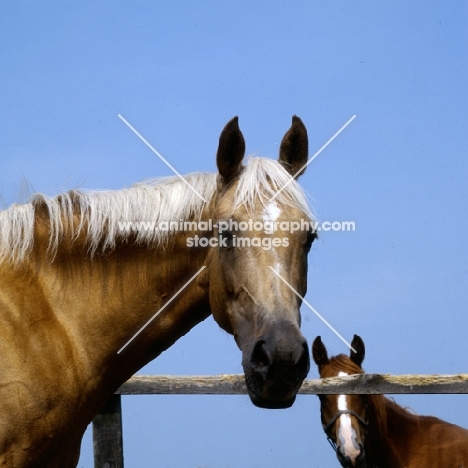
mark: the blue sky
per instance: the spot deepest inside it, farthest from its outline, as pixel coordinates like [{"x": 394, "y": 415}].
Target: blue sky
[{"x": 178, "y": 71}]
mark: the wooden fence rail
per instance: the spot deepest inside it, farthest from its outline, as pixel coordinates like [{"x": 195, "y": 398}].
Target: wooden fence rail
[
  {"x": 235, "y": 385},
  {"x": 107, "y": 425}
]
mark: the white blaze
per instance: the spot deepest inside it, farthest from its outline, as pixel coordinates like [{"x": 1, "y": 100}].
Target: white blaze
[
  {"x": 270, "y": 215},
  {"x": 346, "y": 434},
  {"x": 271, "y": 212}
]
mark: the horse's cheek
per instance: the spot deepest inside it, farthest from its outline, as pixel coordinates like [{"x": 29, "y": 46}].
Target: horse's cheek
[{"x": 218, "y": 300}]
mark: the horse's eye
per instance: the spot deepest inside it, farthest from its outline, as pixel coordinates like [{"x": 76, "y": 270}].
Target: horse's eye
[
  {"x": 226, "y": 240},
  {"x": 311, "y": 236}
]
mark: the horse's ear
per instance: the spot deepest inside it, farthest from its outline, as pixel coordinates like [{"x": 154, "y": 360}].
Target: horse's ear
[
  {"x": 231, "y": 151},
  {"x": 319, "y": 352},
  {"x": 294, "y": 149},
  {"x": 358, "y": 345}
]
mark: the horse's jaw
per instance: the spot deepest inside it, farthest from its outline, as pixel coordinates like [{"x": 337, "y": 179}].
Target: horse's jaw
[
  {"x": 271, "y": 393},
  {"x": 263, "y": 403}
]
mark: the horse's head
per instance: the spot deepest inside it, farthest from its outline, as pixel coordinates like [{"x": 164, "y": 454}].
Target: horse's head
[
  {"x": 344, "y": 417},
  {"x": 258, "y": 211}
]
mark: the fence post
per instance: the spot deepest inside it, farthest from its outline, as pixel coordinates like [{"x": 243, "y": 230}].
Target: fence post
[{"x": 107, "y": 435}]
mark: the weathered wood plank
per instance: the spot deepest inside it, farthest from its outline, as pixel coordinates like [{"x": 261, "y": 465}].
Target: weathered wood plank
[
  {"x": 388, "y": 384},
  {"x": 229, "y": 384},
  {"x": 223, "y": 384},
  {"x": 107, "y": 435}
]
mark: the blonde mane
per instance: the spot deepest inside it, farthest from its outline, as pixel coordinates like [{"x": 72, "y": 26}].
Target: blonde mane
[{"x": 100, "y": 214}]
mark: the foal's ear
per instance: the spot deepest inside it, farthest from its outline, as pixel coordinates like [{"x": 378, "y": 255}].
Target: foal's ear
[
  {"x": 358, "y": 345},
  {"x": 231, "y": 150},
  {"x": 294, "y": 148},
  {"x": 319, "y": 352}
]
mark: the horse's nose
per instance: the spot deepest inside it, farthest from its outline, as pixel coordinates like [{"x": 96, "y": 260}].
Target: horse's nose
[
  {"x": 361, "y": 459},
  {"x": 347, "y": 462},
  {"x": 261, "y": 357},
  {"x": 281, "y": 353},
  {"x": 275, "y": 365}
]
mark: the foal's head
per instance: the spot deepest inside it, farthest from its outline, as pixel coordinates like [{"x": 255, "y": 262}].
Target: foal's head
[
  {"x": 344, "y": 418},
  {"x": 253, "y": 207}
]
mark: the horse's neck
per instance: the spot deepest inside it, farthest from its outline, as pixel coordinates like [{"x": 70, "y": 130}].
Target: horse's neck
[
  {"x": 62, "y": 323},
  {"x": 114, "y": 296},
  {"x": 170, "y": 295},
  {"x": 388, "y": 433}
]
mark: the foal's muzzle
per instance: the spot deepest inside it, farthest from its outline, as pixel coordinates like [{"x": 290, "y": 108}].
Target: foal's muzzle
[{"x": 346, "y": 462}]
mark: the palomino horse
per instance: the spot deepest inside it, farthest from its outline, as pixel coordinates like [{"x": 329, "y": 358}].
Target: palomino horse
[
  {"x": 374, "y": 432},
  {"x": 77, "y": 282}
]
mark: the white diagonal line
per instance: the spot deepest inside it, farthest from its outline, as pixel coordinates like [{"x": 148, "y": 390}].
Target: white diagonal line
[
  {"x": 160, "y": 156},
  {"x": 312, "y": 309},
  {"x": 313, "y": 157},
  {"x": 161, "y": 309}
]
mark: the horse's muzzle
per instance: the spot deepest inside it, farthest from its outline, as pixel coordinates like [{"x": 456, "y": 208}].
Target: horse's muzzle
[
  {"x": 346, "y": 462},
  {"x": 278, "y": 364}
]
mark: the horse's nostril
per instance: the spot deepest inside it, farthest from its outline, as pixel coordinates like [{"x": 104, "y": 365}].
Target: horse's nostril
[{"x": 260, "y": 356}]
